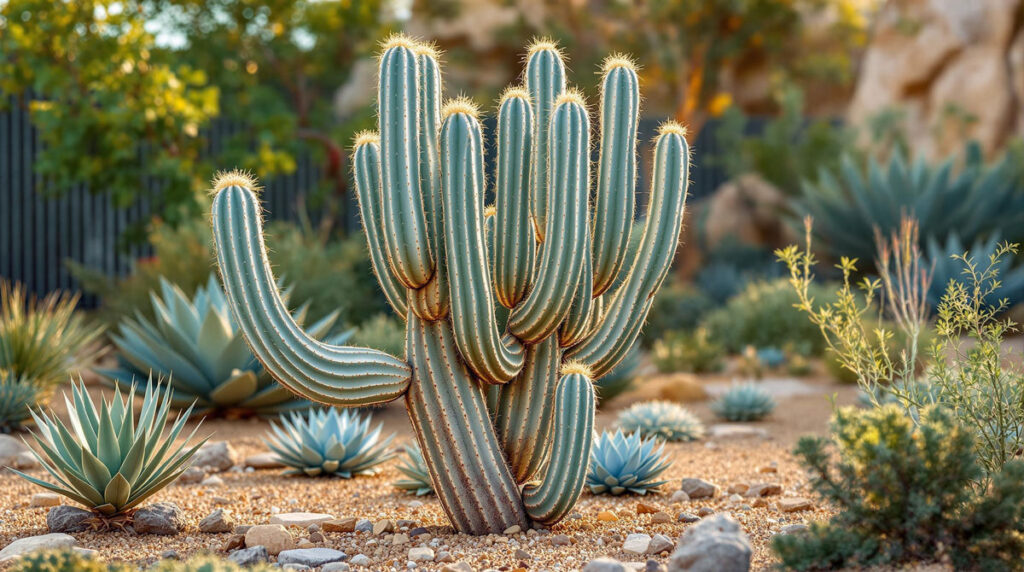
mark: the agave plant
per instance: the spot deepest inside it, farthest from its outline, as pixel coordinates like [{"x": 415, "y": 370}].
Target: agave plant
[
  {"x": 322, "y": 442},
  {"x": 17, "y": 397},
  {"x": 948, "y": 268},
  {"x": 106, "y": 461},
  {"x": 621, "y": 463},
  {"x": 746, "y": 402},
  {"x": 663, "y": 419},
  {"x": 417, "y": 475},
  {"x": 197, "y": 345}
]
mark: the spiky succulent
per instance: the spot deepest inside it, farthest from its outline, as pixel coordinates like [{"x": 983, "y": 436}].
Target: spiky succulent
[
  {"x": 621, "y": 463},
  {"x": 771, "y": 357},
  {"x": 106, "y": 461},
  {"x": 17, "y": 397},
  {"x": 322, "y": 442},
  {"x": 663, "y": 419},
  {"x": 417, "y": 475},
  {"x": 620, "y": 378},
  {"x": 197, "y": 345},
  {"x": 744, "y": 402}
]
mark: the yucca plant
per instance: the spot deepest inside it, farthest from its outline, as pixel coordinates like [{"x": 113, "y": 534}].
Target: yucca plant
[
  {"x": 197, "y": 345},
  {"x": 41, "y": 340},
  {"x": 326, "y": 442},
  {"x": 106, "y": 461},
  {"x": 948, "y": 266},
  {"x": 621, "y": 463},
  {"x": 17, "y": 397},
  {"x": 745, "y": 402},
  {"x": 417, "y": 475},
  {"x": 663, "y": 419}
]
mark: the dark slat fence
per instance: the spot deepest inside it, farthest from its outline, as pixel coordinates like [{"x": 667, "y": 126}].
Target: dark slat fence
[{"x": 39, "y": 233}]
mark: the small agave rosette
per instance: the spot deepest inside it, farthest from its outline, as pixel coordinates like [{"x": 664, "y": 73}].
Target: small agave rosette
[
  {"x": 323, "y": 442},
  {"x": 621, "y": 463}
]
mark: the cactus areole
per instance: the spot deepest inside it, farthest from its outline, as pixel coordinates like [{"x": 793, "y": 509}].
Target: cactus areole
[{"x": 503, "y": 412}]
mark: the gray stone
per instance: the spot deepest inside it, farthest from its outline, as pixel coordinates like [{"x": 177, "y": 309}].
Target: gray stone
[
  {"x": 660, "y": 543},
  {"x": 360, "y": 560},
  {"x": 164, "y": 518},
  {"x": 294, "y": 566},
  {"x": 637, "y": 543},
  {"x": 421, "y": 554},
  {"x": 10, "y": 448},
  {"x": 263, "y": 461},
  {"x": 653, "y": 565},
  {"x": 794, "y": 529},
  {"x": 560, "y": 540},
  {"x": 716, "y": 544},
  {"x": 312, "y": 557},
  {"x": 66, "y": 518},
  {"x": 688, "y": 517},
  {"x": 191, "y": 476},
  {"x": 216, "y": 456},
  {"x": 364, "y": 525},
  {"x": 605, "y": 564},
  {"x": 522, "y": 554},
  {"x": 336, "y": 567},
  {"x": 216, "y": 522},
  {"x": 729, "y": 431},
  {"x": 249, "y": 556},
  {"x": 697, "y": 488},
  {"x": 457, "y": 567},
  {"x": 23, "y": 546}
]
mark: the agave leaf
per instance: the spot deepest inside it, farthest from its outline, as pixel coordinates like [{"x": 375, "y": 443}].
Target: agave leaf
[
  {"x": 271, "y": 395},
  {"x": 68, "y": 492},
  {"x": 214, "y": 335},
  {"x": 85, "y": 422},
  {"x": 235, "y": 355},
  {"x": 131, "y": 468},
  {"x": 106, "y": 509},
  {"x": 106, "y": 445},
  {"x": 95, "y": 471},
  {"x": 117, "y": 491},
  {"x": 235, "y": 390}
]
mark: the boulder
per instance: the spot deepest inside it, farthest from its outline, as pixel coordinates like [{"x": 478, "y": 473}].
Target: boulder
[
  {"x": 716, "y": 544},
  {"x": 698, "y": 488},
  {"x": 215, "y": 522},
  {"x": 164, "y": 518},
  {"x": 23, "y": 546},
  {"x": 66, "y": 518},
  {"x": 251, "y": 556},
  {"x": 273, "y": 537},
  {"x": 216, "y": 456}
]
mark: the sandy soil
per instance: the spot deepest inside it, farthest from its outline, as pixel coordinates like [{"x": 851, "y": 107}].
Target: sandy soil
[{"x": 251, "y": 498}]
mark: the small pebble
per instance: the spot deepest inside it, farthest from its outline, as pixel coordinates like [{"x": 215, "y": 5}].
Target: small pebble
[{"x": 607, "y": 516}]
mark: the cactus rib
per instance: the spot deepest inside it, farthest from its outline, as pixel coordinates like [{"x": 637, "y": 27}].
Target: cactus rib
[
  {"x": 515, "y": 245},
  {"x": 545, "y": 81}
]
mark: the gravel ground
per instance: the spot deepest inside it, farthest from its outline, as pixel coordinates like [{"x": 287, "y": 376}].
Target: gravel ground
[{"x": 251, "y": 498}]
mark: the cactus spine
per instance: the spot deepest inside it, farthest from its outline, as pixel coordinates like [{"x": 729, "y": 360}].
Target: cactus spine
[{"x": 503, "y": 413}]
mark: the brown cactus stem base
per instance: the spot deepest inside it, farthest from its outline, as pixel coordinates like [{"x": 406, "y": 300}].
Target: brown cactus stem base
[{"x": 449, "y": 415}]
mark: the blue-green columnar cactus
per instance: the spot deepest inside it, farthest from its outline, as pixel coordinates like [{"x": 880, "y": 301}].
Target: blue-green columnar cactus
[
  {"x": 663, "y": 419},
  {"x": 503, "y": 410},
  {"x": 326, "y": 442},
  {"x": 623, "y": 463},
  {"x": 197, "y": 346},
  {"x": 745, "y": 402}
]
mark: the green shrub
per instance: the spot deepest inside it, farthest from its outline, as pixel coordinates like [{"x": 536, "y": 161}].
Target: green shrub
[
  {"x": 208, "y": 563},
  {"x": 65, "y": 561},
  {"x": 906, "y": 494},
  {"x": 692, "y": 352},
  {"x": 17, "y": 397},
  {"x": 381, "y": 332},
  {"x": 764, "y": 314},
  {"x": 677, "y": 307},
  {"x": 946, "y": 261}
]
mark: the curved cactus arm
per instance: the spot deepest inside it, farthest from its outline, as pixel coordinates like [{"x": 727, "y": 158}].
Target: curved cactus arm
[
  {"x": 616, "y": 170},
  {"x": 573, "y": 433},
  {"x": 515, "y": 244},
  {"x": 494, "y": 359},
  {"x": 522, "y": 410},
  {"x": 577, "y": 323},
  {"x": 545, "y": 80},
  {"x": 366, "y": 167},
  {"x": 449, "y": 415},
  {"x": 628, "y": 309},
  {"x": 322, "y": 372},
  {"x": 562, "y": 255},
  {"x": 406, "y": 232}
]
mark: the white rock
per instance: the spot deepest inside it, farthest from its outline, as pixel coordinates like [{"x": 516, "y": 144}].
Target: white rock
[
  {"x": 360, "y": 560},
  {"x": 637, "y": 543},
  {"x": 300, "y": 519},
  {"x": 421, "y": 554},
  {"x": 24, "y": 546},
  {"x": 727, "y": 431}
]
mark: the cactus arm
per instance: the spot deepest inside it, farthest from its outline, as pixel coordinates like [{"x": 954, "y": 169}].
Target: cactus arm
[
  {"x": 578, "y": 323},
  {"x": 322, "y": 372},
  {"x": 616, "y": 171},
  {"x": 449, "y": 416},
  {"x": 562, "y": 257},
  {"x": 405, "y": 223},
  {"x": 515, "y": 245},
  {"x": 545, "y": 81},
  {"x": 628, "y": 309},
  {"x": 522, "y": 410},
  {"x": 492, "y": 358},
  {"x": 573, "y": 432},
  {"x": 366, "y": 166}
]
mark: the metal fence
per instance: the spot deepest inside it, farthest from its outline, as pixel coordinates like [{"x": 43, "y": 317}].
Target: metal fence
[{"x": 38, "y": 234}]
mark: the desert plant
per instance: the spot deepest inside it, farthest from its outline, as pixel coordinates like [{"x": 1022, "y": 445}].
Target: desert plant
[
  {"x": 621, "y": 377},
  {"x": 771, "y": 357},
  {"x": 906, "y": 494},
  {"x": 691, "y": 352},
  {"x": 326, "y": 442},
  {"x": 764, "y": 315},
  {"x": 852, "y": 203},
  {"x": 106, "y": 461},
  {"x": 208, "y": 563},
  {"x": 17, "y": 398},
  {"x": 420, "y": 183},
  {"x": 677, "y": 307},
  {"x": 197, "y": 345},
  {"x": 744, "y": 402},
  {"x": 41, "y": 341},
  {"x": 947, "y": 264},
  {"x": 417, "y": 474},
  {"x": 66, "y": 561},
  {"x": 663, "y": 419},
  {"x": 621, "y": 463},
  {"x": 381, "y": 332}
]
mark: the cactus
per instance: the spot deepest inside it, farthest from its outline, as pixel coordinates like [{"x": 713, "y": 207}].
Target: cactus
[{"x": 503, "y": 410}]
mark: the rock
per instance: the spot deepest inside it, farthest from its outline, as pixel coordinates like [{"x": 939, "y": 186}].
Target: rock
[
  {"x": 339, "y": 525},
  {"x": 680, "y": 496},
  {"x": 521, "y": 554},
  {"x": 764, "y": 490},
  {"x": 23, "y": 546},
  {"x": 404, "y": 523},
  {"x": 312, "y": 557},
  {"x": 795, "y": 504},
  {"x": 360, "y": 560},
  {"x": 10, "y": 448},
  {"x": 660, "y": 518},
  {"x": 44, "y": 499},
  {"x": 605, "y": 564},
  {"x": 165, "y": 518},
  {"x": 242, "y": 528},
  {"x": 250, "y": 556},
  {"x": 772, "y": 467},
  {"x": 66, "y": 518},
  {"x": 215, "y": 456},
  {"x": 212, "y": 481},
  {"x": 687, "y": 517},
  {"x": 364, "y": 525},
  {"x": 191, "y": 476},
  {"x": 274, "y": 537},
  {"x": 744, "y": 209},
  {"x": 794, "y": 529},
  {"x": 715, "y": 545},
  {"x": 729, "y": 431},
  {"x": 705, "y": 511},
  {"x": 697, "y": 488},
  {"x": 660, "y": 543},
  {"x": 637, "y": 543},
  {"x": 234, "y": 542},
  {"x": 644, "y": 508},
  {"x": 263, "y": 461},
  {"x": 169, "y": 555},
  {"x": 216, "y": 522},
  {"x": 653, "y": 565},
  {"x": 317, "y": 537},
  {"x": 421, "y": 554},
  {"x": 26, "y": 461},
  {"x": 458, "y": 567},
  {"x": 607, "y": 516},
  {"x": 514, "y": 529},
  {"x": 383, "y": 526},
  {"x": 336, "y": 567},
  {"x": 400, "y": 538},
  {"x": 300, "y": 519},
  {"x": 560, "y": 540},
  {"x": 738, "y": 488},
  {"x": 418, "y": 531}
]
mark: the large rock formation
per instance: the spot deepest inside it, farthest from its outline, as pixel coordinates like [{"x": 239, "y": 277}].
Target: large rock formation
[{"x": 953, "y": 68}]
